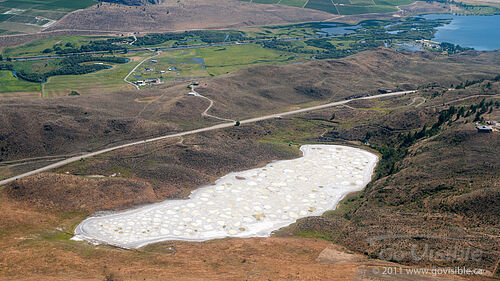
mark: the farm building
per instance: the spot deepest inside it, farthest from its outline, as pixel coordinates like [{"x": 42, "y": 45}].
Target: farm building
[{"x": 484, "y": 129}]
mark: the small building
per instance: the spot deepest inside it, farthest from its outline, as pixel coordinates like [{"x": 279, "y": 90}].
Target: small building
[
  {"x": 484, "y": 129},
  {"x": 153, "y": 81},
  {"x": 429, "y": 44}
]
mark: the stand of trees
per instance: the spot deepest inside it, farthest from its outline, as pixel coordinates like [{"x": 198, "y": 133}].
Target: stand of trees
[
  {"x": 67, "y": 66},
  {"x": 320, "y": 43},
  {"x": 108, "y": 45},
  {"x": 207, "y": 36},
  {"x": 393, "y": 153},
  {"x": 6, "y": 66},
  {"x": 452, "y": 48},
  {"x": 327, "y": 49}
]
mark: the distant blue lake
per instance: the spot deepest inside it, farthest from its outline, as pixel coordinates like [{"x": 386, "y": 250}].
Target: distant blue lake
[
  {"x": 338, "y": 29},
  {"x": 198, "y": 60},
  {"x": 479, "y": 32}
]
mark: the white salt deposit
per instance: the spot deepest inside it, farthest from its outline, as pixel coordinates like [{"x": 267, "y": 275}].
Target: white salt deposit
[{"x": 251, "y": 203}]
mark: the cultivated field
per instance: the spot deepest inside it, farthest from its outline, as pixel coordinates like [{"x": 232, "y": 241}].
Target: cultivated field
[
  {"x": 343, "y": 7},
  {"x": 26, "y": 16}
]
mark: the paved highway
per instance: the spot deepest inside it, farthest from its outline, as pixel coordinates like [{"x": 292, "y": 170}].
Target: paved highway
[{"x": 205, "y": 129}]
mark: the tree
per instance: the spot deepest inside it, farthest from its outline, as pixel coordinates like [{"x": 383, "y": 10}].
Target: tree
[
  {"x": 368, "y": 136},
  {"x": 477, "y": 117},
  {"x": 237, "y": 123}
]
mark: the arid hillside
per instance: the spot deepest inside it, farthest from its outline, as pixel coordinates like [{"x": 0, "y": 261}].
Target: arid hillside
[
  {"x": 39, "y": 212},
  {"x": 442, "y": 184},
  {"x": 71, "y": 125},
  {"x": 263, "y": 88},
  {"x": 184, "y": 15},
  {"x": 433, "y": 204}
]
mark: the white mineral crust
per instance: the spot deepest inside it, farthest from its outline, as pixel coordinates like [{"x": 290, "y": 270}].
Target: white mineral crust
[{"x": 251, "y": 203}]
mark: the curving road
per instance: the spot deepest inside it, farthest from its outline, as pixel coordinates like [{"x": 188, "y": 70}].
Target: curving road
[
  {"x": 205, "y": 113},
  {"x": 135, "y": 68},
  {"x": 205, "y": 129}
]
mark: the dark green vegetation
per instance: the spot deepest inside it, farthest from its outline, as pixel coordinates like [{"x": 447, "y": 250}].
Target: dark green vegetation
[
  {"x": 108, "y": 45},
  {"x": 452, "y": 48},
  {"x": 204, "y": 36},
  {"x": 74, "y": 65}
]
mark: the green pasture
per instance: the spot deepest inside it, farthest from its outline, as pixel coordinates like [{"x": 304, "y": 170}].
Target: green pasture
[
  {"x": 209, "y": 61},
  {"x": 28, "y": 16},
  {"x": 9, "y": 83},
  {"x": 108, "y": 80},
  {"x": 36, "y": 47}
]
